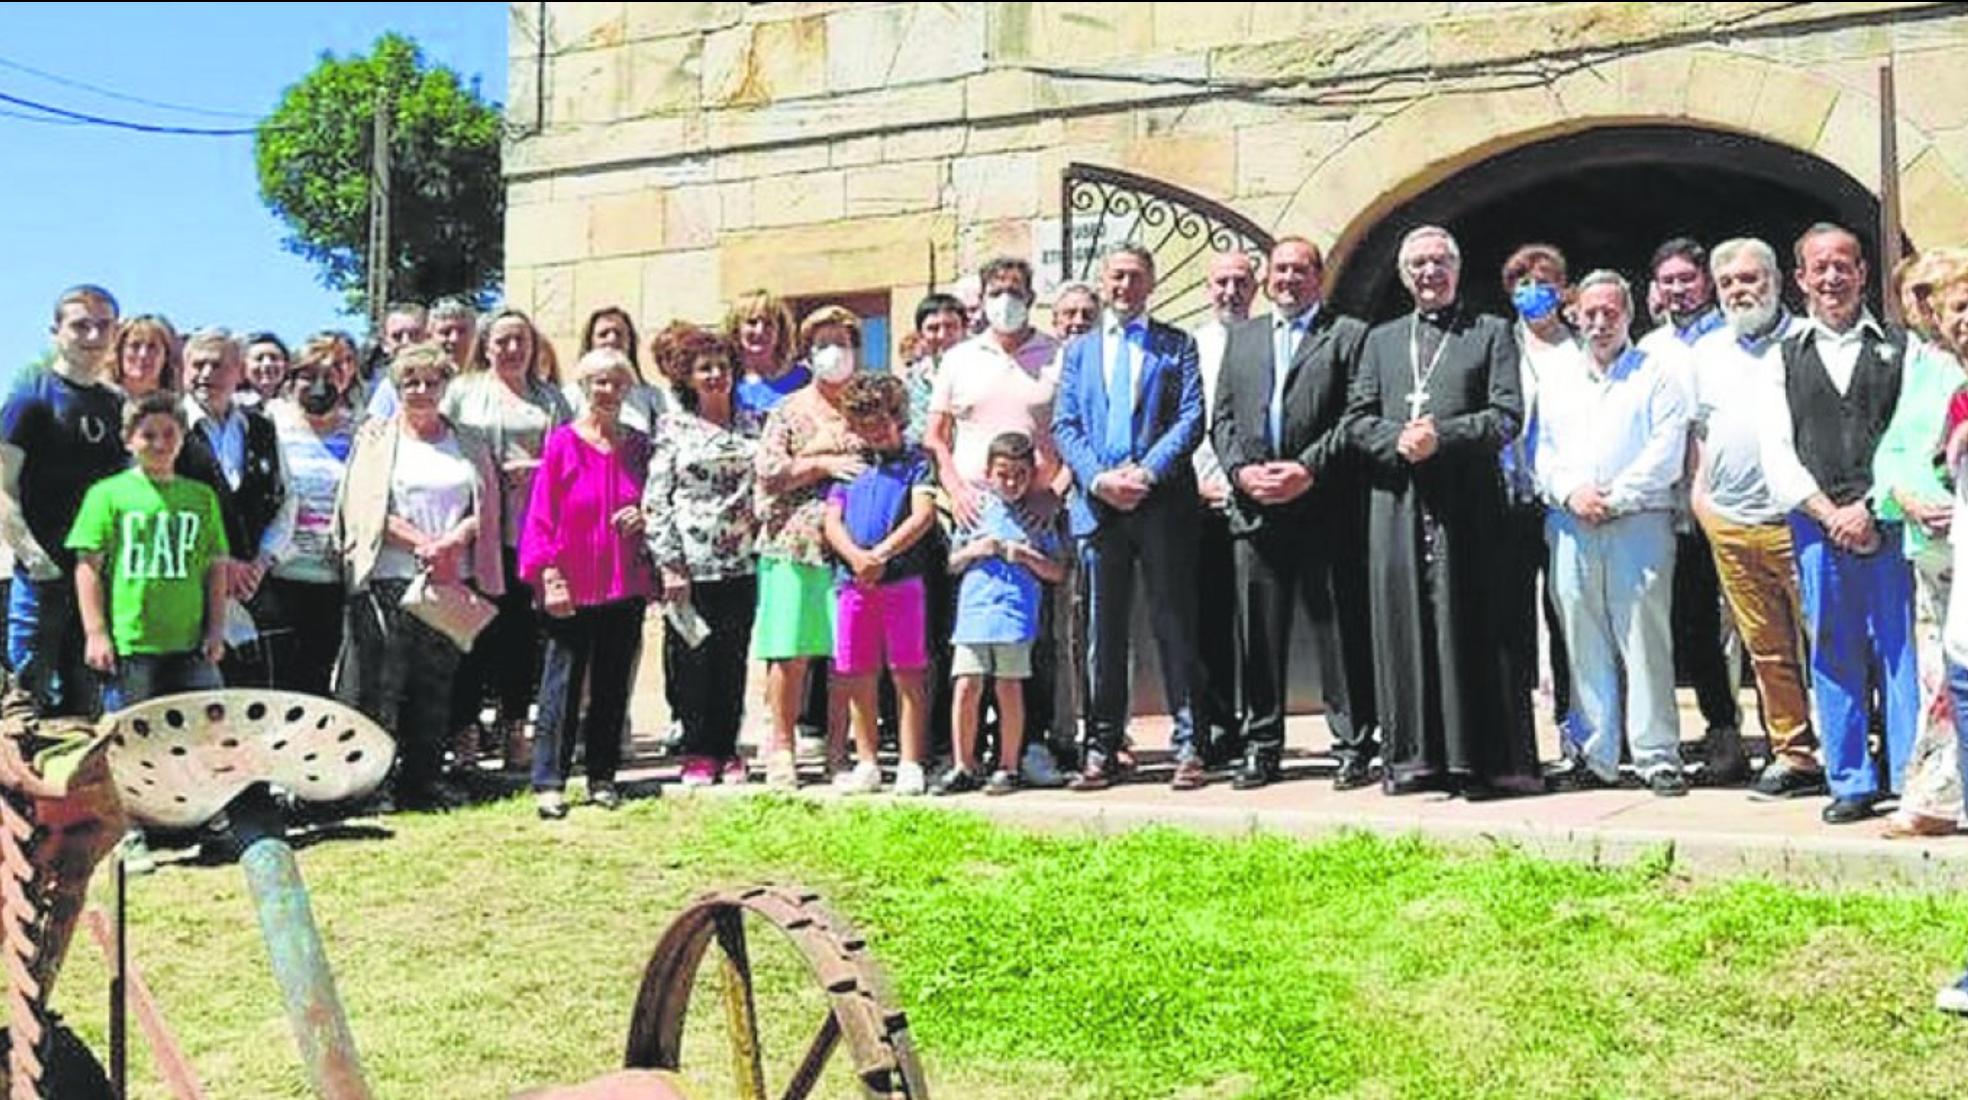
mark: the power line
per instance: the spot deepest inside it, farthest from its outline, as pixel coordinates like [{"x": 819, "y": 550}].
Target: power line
[
  {"x": 109, "y": 93},
  {"x": 125, "y": 124},
  {"x": 49, "y": 119}
]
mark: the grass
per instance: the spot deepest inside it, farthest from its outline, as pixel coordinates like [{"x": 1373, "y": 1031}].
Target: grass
[{"x": 482, "y": 952}]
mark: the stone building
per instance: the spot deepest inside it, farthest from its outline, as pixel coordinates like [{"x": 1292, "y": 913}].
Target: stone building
[{"x": 668, "y": 156}]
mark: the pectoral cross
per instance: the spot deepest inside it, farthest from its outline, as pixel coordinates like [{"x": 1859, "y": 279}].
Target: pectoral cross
[{"x": 1417, "y": 401}]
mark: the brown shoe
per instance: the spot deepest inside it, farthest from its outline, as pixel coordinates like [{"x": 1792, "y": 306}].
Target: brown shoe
[
  {"x": 1189, "y": 775},
  {"x": 1906, "y": 824},
  {"x": 1093, "y": 777}
]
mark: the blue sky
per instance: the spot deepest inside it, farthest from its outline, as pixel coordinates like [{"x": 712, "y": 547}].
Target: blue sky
[{"x": 174, "y": 224}]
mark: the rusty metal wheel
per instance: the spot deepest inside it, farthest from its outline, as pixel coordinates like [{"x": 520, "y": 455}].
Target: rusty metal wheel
[{"x": 862, "y": 1015}]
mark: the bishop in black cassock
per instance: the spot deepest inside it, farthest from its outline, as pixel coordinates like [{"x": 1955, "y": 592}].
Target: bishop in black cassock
[{"x": 1434, "y": 400}]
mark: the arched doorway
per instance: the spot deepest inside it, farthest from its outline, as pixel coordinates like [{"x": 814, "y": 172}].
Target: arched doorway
[{"x": 1607, "y": 196}]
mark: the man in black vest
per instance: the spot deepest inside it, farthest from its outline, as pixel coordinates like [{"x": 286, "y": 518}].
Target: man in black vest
[
  {"x": 1828, "y": 408},
  {"x": 236, "y": 451},
  {"x": 1298, "y": 511}
]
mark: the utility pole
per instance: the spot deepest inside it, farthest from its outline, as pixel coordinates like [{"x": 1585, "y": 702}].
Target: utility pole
[
  {"x": 379, "y": 216},
  {"x": 1889, "y": 191}
]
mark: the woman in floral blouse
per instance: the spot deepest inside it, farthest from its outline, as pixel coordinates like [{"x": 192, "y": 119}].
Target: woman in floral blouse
[
  {"x": 807, "y": 447},
  {"x": 697, "y": 507}
]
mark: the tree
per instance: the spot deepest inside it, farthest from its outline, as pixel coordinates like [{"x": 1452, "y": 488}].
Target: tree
[{"x": 447, "y": 201}]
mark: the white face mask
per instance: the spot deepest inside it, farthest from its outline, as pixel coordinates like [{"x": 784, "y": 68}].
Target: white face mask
[
  {"x": 1007, "y": 313},
  {"x": 833, "y": 364}
]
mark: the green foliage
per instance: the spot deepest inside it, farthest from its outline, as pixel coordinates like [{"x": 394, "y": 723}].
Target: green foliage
[
  {"x": 481, "y": 952},
  {"x": 447, "y": 210}
]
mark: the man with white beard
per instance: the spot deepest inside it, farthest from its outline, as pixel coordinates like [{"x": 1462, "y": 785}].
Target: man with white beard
[{"x": 1746, "y": 529}]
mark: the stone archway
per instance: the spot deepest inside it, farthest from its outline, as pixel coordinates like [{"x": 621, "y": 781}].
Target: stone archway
[
  {"x": 1706, "y": 88},
  {"x": 1607, "y": 197}
]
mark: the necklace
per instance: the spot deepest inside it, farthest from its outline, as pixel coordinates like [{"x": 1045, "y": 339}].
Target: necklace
[{"x": 1418, "y": 396}]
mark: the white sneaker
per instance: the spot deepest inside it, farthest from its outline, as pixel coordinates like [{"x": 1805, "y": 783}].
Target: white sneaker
[
  {"x": 864, "y": 779},
  {"x": 910, "y": 782},
  {"x": 137, "y": 859},
  {"x": 1954, "y": 998},
  {"x": 1037, "y": 768},
  {"x": 780, "y": 772}
]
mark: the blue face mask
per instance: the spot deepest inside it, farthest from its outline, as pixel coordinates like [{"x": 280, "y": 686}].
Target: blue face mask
[{"x": 1534, "y": 301}]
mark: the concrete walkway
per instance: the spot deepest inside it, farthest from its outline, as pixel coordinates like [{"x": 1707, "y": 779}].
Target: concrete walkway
[{"x": 1710, "y": 833}]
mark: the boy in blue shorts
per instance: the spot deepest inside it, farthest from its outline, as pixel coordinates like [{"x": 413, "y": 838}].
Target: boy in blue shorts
[{"x": 1004, "y": 560}]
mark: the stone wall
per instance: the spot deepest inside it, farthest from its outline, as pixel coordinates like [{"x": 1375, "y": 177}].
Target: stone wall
[{"x": 669, "y": 156}]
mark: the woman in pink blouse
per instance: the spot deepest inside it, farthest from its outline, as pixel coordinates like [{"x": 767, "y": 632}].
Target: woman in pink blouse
[{"x": 582, "y": 551}]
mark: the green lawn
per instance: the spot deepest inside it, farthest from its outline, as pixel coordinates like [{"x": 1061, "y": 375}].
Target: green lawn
[{"x": 482, "y": 952}]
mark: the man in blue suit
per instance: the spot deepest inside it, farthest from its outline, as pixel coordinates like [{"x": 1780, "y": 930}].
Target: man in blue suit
[{"x": 1128, "y": 415}]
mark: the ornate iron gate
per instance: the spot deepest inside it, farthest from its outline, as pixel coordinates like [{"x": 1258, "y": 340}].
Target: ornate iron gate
[{"x": 1104, "y": 206}]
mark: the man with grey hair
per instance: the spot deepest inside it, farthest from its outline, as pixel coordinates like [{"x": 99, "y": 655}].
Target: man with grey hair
[
  {"x": 1075, "y": 307},
  {"x": 1610, "y": 451},
  {"x": 1230, "y": 285},
  {"x": 1128, "y": 416},
  {"x": 1432, "y": 404},
  {"x": 1731, "y": 499}
]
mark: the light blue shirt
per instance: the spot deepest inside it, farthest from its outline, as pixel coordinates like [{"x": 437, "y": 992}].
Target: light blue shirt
[
  {"x": 1287, "y": 333},
  {"x": 1130, "y": 338},
  {"x": 1623, "y": 428},
  {"x": 228, "y": 437}
]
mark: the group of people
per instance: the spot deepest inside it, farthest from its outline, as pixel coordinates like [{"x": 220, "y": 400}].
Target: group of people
[{"x": 1429, "y": 491}]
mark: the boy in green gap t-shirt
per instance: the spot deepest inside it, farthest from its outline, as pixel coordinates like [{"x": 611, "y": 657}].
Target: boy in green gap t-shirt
[{"x": 157, "y": 626}]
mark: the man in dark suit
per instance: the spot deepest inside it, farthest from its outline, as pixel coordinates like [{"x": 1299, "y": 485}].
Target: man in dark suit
[
  {"x": 1298, "y": 512},
  {"x": 1128, "y": 415}
]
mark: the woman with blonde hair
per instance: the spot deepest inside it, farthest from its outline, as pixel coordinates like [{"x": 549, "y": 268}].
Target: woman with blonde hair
[
  {"x": 807, "y": 447},
  {"x": 761, "y": 325},
  {"x": 1912, "y": 493},
  {"x": 422, "y": 496},
  {"x": 503, "y": 398},
  {"x": 147, "y": 356}
]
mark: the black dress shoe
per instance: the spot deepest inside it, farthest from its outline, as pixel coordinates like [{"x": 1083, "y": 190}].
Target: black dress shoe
[
  {"x": 1257, "y": 770},
  {"x": 1421, "y": 784},
  {"x": 1352, "y": 775},
  {"x": 1845, "y": 811}
]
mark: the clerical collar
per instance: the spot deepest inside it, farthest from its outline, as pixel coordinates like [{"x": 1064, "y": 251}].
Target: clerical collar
[{"x": 1439, "y": 318}]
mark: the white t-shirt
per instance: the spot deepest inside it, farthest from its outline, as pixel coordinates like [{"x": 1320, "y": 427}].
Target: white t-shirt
[
  {"x": 1730, "y": 384},
  {"x": 431, "y": 486},
  {"x": 986, "y": 393}
]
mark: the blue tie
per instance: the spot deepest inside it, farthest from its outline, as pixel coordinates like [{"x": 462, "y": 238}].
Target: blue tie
[{"x": 1120, "y": 400}]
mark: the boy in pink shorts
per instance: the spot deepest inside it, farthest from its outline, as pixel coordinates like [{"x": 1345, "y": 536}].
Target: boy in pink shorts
[{"x": 875, "y": 526}]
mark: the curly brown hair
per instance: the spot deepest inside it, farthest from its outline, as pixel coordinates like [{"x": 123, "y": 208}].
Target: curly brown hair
[
  {"x": 680, "y": 347},
  {"x": 869, "y": 395}
]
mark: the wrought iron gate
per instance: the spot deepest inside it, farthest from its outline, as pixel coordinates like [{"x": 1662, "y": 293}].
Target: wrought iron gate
[{"x": 1105, "y": 206}]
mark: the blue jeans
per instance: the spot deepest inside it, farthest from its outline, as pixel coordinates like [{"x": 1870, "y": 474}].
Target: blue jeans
[
  {"x": 1957, "y": 689},
  {"x": 141, "y": 676},
  {"x": 1859, "y": 612},
  {"x": 44, "y": 645},
  {"x": 1614, "y": 585}
]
